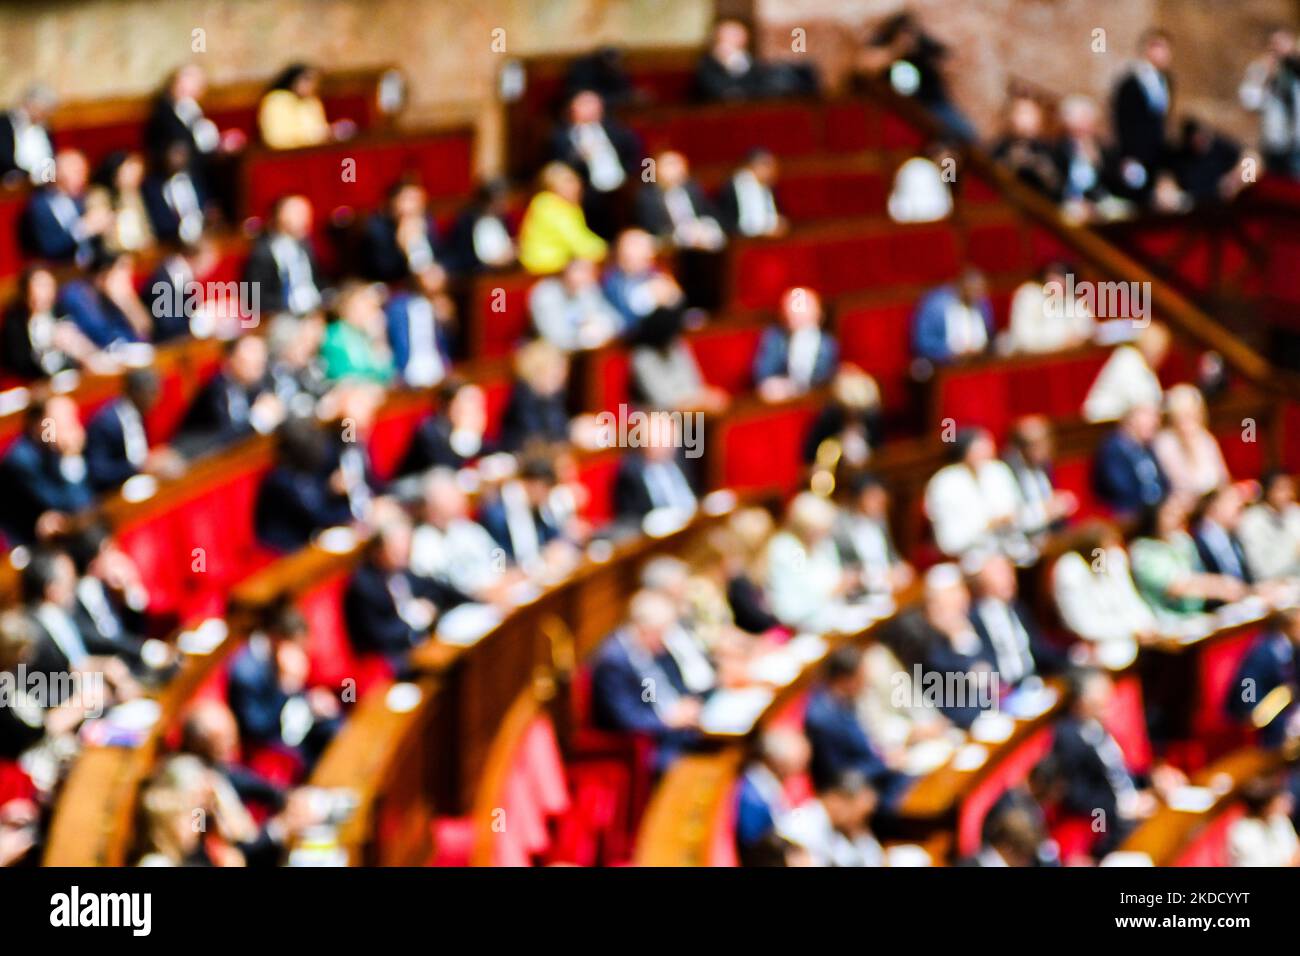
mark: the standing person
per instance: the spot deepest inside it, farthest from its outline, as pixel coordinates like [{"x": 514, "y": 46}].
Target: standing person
[
  {"x": 1141, "y": 106},
  {"x": 1271, "y": 88}
]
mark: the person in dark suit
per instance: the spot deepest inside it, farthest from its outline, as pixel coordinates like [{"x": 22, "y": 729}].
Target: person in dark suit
[
  {"x": 299, "y": 496},
  {"x": 520, "y": 517},
  {"x": 106, "y": 308},
  {"x": 270, "y": 695},
  {"x": 452, "y": 437},
  {"x": 839, "y": 741},
  {"x": 237, "y": 402},
  {"x": 1025, "y": 151},
  {"x": 1007, "y": 631},
  {"x": 603, "y": 151},
  {"x": 403, "y": 238},
  {"x": 537, "y": 408},
  {"x": 387, "y": 608},
  {"x": 1214, "y": 529},
  {"x": 169, "y": 291},
  {"x": 761, "y": 802},
  {"x": 747, "y": 202},
  {"x": 1012, "y": 835},
  {"x": 1205, "y": 163},
  {"x": 728, "y": 70},
  {"x": 480, "y": 237},
  {"x": 43, "y": 475},
  {"x": 38, "y": 338},
  {"x": 797, "y": 355},
  {"x": 282, "y": 262},
  {"x": 111, "y": 603},
  {"x": 1267, "y": 685},
  {"x": 603, "y": 71},
  {"x": 56, "y": 224},
  {"x": 25, "y": 138},
  {"x": 1098, "y": 783},
  {"x": 177, "y": 117},
  {"x": 1125, "y": 472},
  {"x": 173, "y": 198},
  {"x": 673, "y": 208},
  {"x": 652, "y": 476},
  {"x": 420, "y": 322},
  {"x": 638, "y": 288},
  {"x": 117, "y": 445},
  {"x": 1141, "y": 106},
  {"x": 915, "y": 63},
  {"x": 1029, "y": 456},
  {"x": 636, "y": 685}
]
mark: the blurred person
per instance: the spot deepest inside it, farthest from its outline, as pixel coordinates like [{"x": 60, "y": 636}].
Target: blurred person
[
  {"x": 177, "y": 117},
  {"x": 851, "y": 419},
  {"x": 554, "y": 229},
  {"x": 740, "y": 547},
  {"x": 43, "y": 474},
  {"x": 293, "y": 362},
  {"x": 1214, "y": 528},
  {"x": 835, "y": 826},
  {"x": 1269, "y": 530},
  {"x": 1188, "y": 452},
  {"x": 57, "y": 225},
  {"x": 747, "y": 204},
  {"x": 448, "y": 545},
  {"x": 865, "y": 540},
  {"x": 168, "y": 292},
  {"x": 402, "y": 239},
  {"x": 523, "y": 519},
  {"x": 106, "y": 307},
  {"x": 920, "y": 191},
  {"x": 420, "y": 323},
  {"x": 454, "y": 436},
  {"x": 973, "y": 502},
  {"x": 112, "y": 603},
  {"x": 915, "y": 63},
  {"x": 210, "y": 732},
  {"x": 117, "y": 445},
  {"x": 570, "y": 311},
  {"x": 299, "y": 496},
  {"x": 602, "y": 150},
  {"x": 1141, "y": 105},
  {"x": 537, "y": 409},
  {"x": 1044, "y": 319},
  {"x": 291, "y": 114},
  {"x": 807, "y": 583},
  {"x": 238, "y": 401},
  {"x": 673, "y": 208},
  {"x": 636, "y": 284},
  {"x": 1024, "y": 150},
  {"x": 481, "y": 238},
  {"x": 954, "y": 321},
  {"x": 25, "y": 136},
  {"x": 665, "y": 373},
  {"x": 356, "y": 346},
  {"x": 652, "y": 476},
  {"x": 763, "y": 805},
  {"x": 1167, "y": 568},
  {"x": 1126, "y": 474},
  {"x": 1207, "y": 166},
  {"x": 174, "y": 199},
  {"x": 1089, "y": 167},
  {"x": 281, "y": 262},
  {"x": 1265, "y": 688},
  {"x": 1008, "y": 631},
  {"x": 1271, "y": 88},
  {"x": 1095, "y": 597},
  {"x": 1264, "y": 836},
  {"x": 604, "y": 71},
  {"x": 166, "y": 832},
  {"x": 1011, "y": 837},
  {"x": 697, "y": 633},
  {"x": 798, "y": 355},
  {"x": 728, "y": 70},
  {"x": 1043, "y": 508},
  {"x": 120, "y": 188},
  {"x": 39, "y": 338}
]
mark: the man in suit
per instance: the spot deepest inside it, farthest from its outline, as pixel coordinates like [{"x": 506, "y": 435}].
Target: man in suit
[
  {"x": 1042, "y": 507},
  {"x": 168, "y": 292},
  {"x": 1267, "y": 686},
  {"x": 452, "y": 437},
  {"x": 954, "y": 321},
  {"x": 402, "y": 240},
  {"x": 1006, "y": 629},
  {"x": 747, "y": 205},
  {"x": 1125, "y": 473},
  {"x": 762, "y": 806},
  {"x": 1098, "y": 783},
  {"x": 865, "y": 541},
  {"x": 24, "y": 138},
  {"x": 43, "y": 476},
  {"x": 1088, "y": 168},
  {"x": 177, "y": 117},
  {"x": 520, "y": 517},
  {"x": 637, "y": 686},
  {"x": 106, "y": 308},
  {"x": 237, "y": 402},
  {"x": 419, "y": 321},
  {"x": 797, "y": 355},
  {"x": 838, "y": 739},
  {"x": 673, "y": 208},
  {"x": 117, "y": 446},
  {"x": 111, "y": 603},
  {"x": 1215, "y": 533},
  {"x": 282, "y": 262},
  {"x": 1141, "y": 108},
  {"x": 300, "y": 496},
  {"x": 652, "y": 476},
  {"x": 173, "y": 198},
  {"x": 56, "y": 224},
  {"x": 636, "y": 286},
  {"x": 729, "y": 71},
  {"x": 604, "y": 152}
]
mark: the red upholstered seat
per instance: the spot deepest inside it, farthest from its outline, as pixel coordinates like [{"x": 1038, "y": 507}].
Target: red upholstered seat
[
  {"x": 14, "y": 783},
  {"x": 11, "y": 211},
  {"x": 1074, "y": 837},
  {"x": 332, "y": 658},
  {"x": 597, "y": 475},
  {"x": 1127, "y": 723},
  {"x": 391, "y": 437},
  {"x": 765, "y": 450},
  {"x": 177, "y": 391},
  {"x": 611, "y": 371},
  {"x": 726, "y": 356},
  {"x": 453, "y": 841},
  {"x": 877, "y": 339},
  {"x": 999, "y": 248},
  {"x": 808, "y": 196},
  {"x": 1210, "y": 846},
  {"x": 498, "y": 309},
  {"x": 1010, "y": 772},
  {"x": 1212, "y": 727},
  {"x": 787, "y": 129}
]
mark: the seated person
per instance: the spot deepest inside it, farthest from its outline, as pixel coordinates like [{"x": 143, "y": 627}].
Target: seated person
[
  {"x": 1214, "y": 528},
  {"x": 236, "y": 403},
  {"x": 865, "y": 541},
  {"x": 603, "y": 151},
  {"x": 1270, "y": 529},
  {"x": 387, "y": 608},
  {"x": 834, "y": 827},
  {"x": 174, "y": 200},
  {"x": 1088, "y": 167},
  {"x": 835, "y": 732},
  {"x": 356, "y": 346},
  {"x": 1126, "y": 474},
  {"x": 481, "y": 237},
  {"x": 1205, "y": 164},
  {"x": 420, "y": 323},
  {"x": 119, "y": 187},
  {"x": 281, "y": 262},
  {"x": 1129, "y": 376},
  {"x": 554, "y": 229},
  {"x": 1188, "y": 452},
  {"x": 973, "y": 503},
  {"x": 111, "y": 604},
  {"x": 636, "y": 686},
  {"x": 915, "y": 63},
  {"x": 728, "y": 71},
  {"x": 117, "y": 446},
  {"x": 953, "y": 321},
  {"x": 653, "y": 476},
  {"x": 1264, "y": 836},
  {"x": 1266, "y": 688},
  {"x": 451, "y": 547},
  {"x": 1167, "y": 568},
  {"x": 1011, "y": 836},
  {"x": 293, "y": 365},
  {"x": 1008, "y": 632},
  {"x": 38, "y": 337},
  {"x": 920, "y": 192},
  {"x": 807, "y": 583},
  {"x": 176, "y": 116},
  {"x": 452, "y": 437},
  {"x": 798, "y": 355},
  {"x": 300, "y": 495},
  {"x": 636, "y": 285},
  {"x": 25, "y": 148},
  {"x": 1095, "y": 597},
  {"x": 523, "y": 518},
  {"x": 106, "y": 308},
  {"x": 673, "y": 208},
  {"x": 56, "y": 225},
  {"x": 537, "y": 408},
  {"x": 665, "y": 374},
  {"x": 570, "y": 311},
  {"x": 763, "y": 805},
  {"x": 402, "y": 240},
  {"x": 1044, "y": 318},
  {"x": 291, "y": 114},
  {"x": 1025, "y": 151},
  {"x": 1043, "y": 508},
  {"x": 43, "y": 475},
  {"x": 270, "y": 693},
  {"x": 850, "y": 420},
  {"x": 747, "y": 205},
  {"x": 169, "y": 293}
]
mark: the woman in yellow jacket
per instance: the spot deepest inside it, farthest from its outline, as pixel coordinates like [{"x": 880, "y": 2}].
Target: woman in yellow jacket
[
  {"x": 291, "y": 113},
  {"x": 554, "y": 230}
]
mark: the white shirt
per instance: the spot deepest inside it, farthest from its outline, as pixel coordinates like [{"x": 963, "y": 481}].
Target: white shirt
[
  {"x": 756, "y": 206},
  {"x": 962, "y": 506},
  {"x": 1010, "y": 641},
  {"x": 604, "y": 168},
  {"x": 1271, "y": 541},
  {"x": 801, "y": 358},
  {"x": 1124, "y": 381},
  {"x": 133, "y": 434},
  {"x": 919, "y": 193},
  {"x": 464, "y": 555},
  {"x": 300, "y": 293},
  {"x": 801, "y": 584},
  {"x": 1100, "y": 605},
  {"x": 492, "y": 243},
  {"x": 424, "y": 364},
  {"x": 1037, "y": 327},
  {"x": 964, "y": 329}
]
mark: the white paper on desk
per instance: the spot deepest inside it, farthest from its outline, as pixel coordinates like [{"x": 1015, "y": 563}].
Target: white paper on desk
[
  {"x": 927, "y": 756},
  {"x": 204, "y": 638},
  {"x": 523, "y": 592},
  {"x": 661, "y": 522},
  {"x": 718, "y": 502},
  {"x": 907, "y": 855},
  {"x": 403, "y": 697},
  {"x": 806, "y": 648},
  {"x": 1026, "y": 703},
  {"x": 466, "y": 624},
  {"x": 850, "y": 618},
  {"x": 1239, "y": 612},
  {"x": 992, "y": 728},
  {"x": 338, "y": 540},
  {"x": 734, "y": 711},
  {"x": 139, "y": 487},
  {"x": 970, "y": 757},
  {"x": 1117, "y": 655},
  {"x": 1192, "y": 629},
  {"x": 779, "y": 667},
  {"x": 1127, "y": 858},
  {"x": 1191, "y": 799}
]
